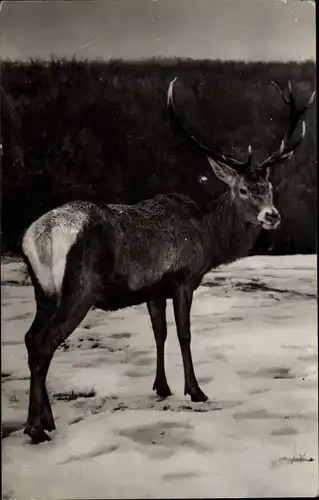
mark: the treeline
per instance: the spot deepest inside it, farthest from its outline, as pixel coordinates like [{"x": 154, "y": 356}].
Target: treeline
[{"x": 100, "y": 131}]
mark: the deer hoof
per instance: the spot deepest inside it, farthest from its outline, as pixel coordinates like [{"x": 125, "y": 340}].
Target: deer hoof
[
  {"x": 36, "y": 434},
  {"x": 48, "y": 421},
  {"x": 196, "y": 395},
  {"x": 162, "y": 389}
]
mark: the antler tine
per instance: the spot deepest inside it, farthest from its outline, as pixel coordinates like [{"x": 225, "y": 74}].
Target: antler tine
[
  {"x": 248, "y": 162},
  {"x": 303, "y": 133},
  {"x": 295, "y": 115},
  {"x": 311, "y": 99},
  {"x": 291, "y": 96},
  {"x": 233, "y": 162},
  {"x": 275, "y": 84}
]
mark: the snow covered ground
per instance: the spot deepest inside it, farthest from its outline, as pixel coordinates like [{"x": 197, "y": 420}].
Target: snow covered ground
[{"x": 255, "y": 354}]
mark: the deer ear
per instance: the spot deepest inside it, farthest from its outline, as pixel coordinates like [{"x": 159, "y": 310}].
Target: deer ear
[{"x": 223, "y": 172}]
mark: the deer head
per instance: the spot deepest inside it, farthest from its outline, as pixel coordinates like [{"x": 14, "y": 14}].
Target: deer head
[{"x": 250, "y": 188}]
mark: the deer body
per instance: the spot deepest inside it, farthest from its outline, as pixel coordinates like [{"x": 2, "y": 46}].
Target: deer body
[
  {"x": 114, "y": 256},
  {"x": 138, "y": 249}
]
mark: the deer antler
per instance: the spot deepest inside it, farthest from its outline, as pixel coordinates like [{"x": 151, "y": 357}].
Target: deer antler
[
  {"x": 240, "y": 166},
  {"x": 285, "y": 152}
]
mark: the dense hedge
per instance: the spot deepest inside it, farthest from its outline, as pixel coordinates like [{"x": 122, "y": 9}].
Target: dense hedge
[{"x": 100, "y": 131}]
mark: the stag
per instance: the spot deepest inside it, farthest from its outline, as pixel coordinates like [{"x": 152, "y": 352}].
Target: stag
[{"x": 81, "y": 255}]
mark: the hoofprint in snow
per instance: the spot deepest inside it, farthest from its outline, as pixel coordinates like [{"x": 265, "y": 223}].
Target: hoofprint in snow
[{"x": 254, "y": 345}]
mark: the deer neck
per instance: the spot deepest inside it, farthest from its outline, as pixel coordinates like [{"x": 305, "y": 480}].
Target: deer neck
[{"x": 230, "y": 236}]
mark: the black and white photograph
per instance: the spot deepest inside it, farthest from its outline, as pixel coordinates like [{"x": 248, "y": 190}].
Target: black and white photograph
[{"x": 159, "y": 324}]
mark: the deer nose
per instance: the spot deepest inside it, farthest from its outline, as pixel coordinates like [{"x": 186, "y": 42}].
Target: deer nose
[
  {"x": 269, "y": 218},
  {"x": 272, "y": 216}
]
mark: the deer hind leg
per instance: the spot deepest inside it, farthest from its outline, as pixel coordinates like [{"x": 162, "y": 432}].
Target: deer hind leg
[
  {"x": 43, "y": 315},
  {"x": 75, "y": 301},
  {"x": 46, "y": 306},
  {"x": 157, "y": 311},
  {"x": 182, "y": 302}
]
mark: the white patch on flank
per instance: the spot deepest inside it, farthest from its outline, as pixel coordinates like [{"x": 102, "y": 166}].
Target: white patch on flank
[
  {"x": 47, "y": 242},
  {"x": 63, "y": 238},
  {"x": 29, "y": 248}
]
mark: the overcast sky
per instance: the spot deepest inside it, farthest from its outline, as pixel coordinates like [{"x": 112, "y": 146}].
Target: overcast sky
[{"x": 134, "y": 29}]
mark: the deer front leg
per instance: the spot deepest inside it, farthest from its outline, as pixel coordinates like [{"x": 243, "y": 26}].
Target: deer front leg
[
  {"x": 182, "y": 302},
  {"x": 157, "y": 311}
]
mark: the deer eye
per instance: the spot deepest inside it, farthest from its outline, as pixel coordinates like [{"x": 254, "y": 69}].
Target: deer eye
[
  {"x": 243, "y": 191},
  {"x": 203, "y": 178}
]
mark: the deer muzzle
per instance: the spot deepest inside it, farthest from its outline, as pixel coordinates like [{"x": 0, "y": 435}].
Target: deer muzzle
[{"x": 269, "y": 217}]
